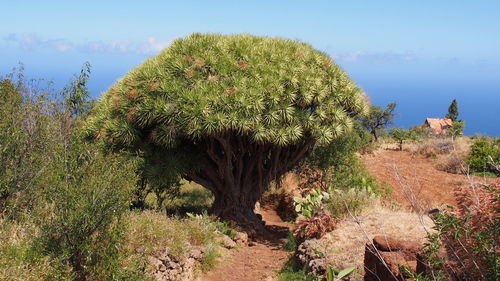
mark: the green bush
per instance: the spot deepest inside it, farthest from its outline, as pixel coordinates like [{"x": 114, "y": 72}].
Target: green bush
[
  {"x": 293, "y": 271},
  {"x": 18, "y": 260},
  {"x": 153, "y": 230},
  {"x": 68, "y": 194},
  {"x": 337, "y": 164},
  {"x": 29, "y": 139},
  {"x": 309, "y": 205},
  {"x": 335, "y": 169},
  {"x": 402, "y": 135},
  {"x": 291, "y": 243},
  {"x": 81, "y": 223},
  {"x": 345, "y": 202},
  {"x": 484, "y": 156}
]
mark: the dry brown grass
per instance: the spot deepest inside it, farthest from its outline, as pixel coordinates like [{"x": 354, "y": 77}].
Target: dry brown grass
[
  {"x": 434, "y": 147},
  {"x": 152, "y": 230},
  {"x": 345, "y": 245},
  {"x": 452, "y": 163},
  {"x": 315, "y": 227}
]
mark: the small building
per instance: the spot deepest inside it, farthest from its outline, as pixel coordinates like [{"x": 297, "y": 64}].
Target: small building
[{"x": 438, "y": 126}]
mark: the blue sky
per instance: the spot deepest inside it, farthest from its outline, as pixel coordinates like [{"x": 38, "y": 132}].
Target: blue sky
[{"x": 420, "y": 54}]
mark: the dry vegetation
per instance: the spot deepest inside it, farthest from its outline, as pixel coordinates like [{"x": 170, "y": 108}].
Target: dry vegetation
[
  {"x": 426, "y": 175},
  {"x": 415, "y": 174},
  {"x": 346, "y": 244},
  {"x": 450, "y": 154}
]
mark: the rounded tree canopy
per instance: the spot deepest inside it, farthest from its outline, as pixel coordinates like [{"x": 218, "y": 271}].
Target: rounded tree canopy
[{"x": 270, "y": 90}]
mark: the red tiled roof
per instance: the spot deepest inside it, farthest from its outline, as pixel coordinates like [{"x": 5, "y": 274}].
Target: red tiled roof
[{"x": 439, "y": 125}]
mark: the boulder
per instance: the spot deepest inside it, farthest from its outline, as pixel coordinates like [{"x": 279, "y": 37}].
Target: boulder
[
  {"x": 241, "y": 238},
  {"x": 386, "y": 255},
  {"x": 311, "y": 257},
  {"x": 197, "y": 253},
  {"x": 227, "y": 242}
]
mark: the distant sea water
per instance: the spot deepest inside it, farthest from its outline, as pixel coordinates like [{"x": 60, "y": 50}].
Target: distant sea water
[
  {"x": 479, "y": 108},
  {"x": 426, "y": 89}
]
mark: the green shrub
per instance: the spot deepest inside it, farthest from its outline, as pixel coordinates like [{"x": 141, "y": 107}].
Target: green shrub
[
  {"x": 151, "y": 230},
  {"x": 345, "y": 202},
  {"x": 337, "y": 165},
  {"x": 312, "y": 203},
  {"x": 81, "y": 224},
  {"x": 402, "y": 135},
  {"x": 18, "y": 260},
  {"x": 210, "y": 258},
  {"x": 291, "y": 244},
  {"x": 293, "y": 271},
  {"x": 70, "y": 194},
  {"x": 227, "y": 228},
  {"x": 29, "y": 139},
  {"x": 484, "y": 156}
]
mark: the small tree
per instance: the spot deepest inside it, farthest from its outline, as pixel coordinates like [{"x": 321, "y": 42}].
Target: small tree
[
  {"x": 378, "y": 119},
  {"x": 453, "y": 110},
  {"x": 232, "y": 113},
  {"x": 457, "y": 129},
  {"x": 402, "y": 135}
]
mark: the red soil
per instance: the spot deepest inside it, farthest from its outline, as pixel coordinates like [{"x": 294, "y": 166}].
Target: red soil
[
  {"x": 415, "y": 181},
  {"x": 261, "y": 261}
]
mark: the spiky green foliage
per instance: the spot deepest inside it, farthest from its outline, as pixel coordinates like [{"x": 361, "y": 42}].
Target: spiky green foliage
[
  {"x": 274, "y": 90},
  {"x": 245, "y": 108}
]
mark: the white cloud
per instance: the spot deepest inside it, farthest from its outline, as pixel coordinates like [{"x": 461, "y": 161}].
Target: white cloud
[
  {"x": 153, "y": 45},
  {"x": 114, "y": 46},
  {"x": 60, "y": 45},
  {"x": 25, "y": 41},
  {"x": 31, "y": 42}
]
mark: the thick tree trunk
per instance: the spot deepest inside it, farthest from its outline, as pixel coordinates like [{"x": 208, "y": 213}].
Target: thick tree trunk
[
  {"x": 239, "y": 170},
  {"x": 237, "y": 210}
]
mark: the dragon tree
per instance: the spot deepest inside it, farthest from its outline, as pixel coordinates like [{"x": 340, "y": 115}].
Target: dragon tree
[{"x": 231, "y": 113}]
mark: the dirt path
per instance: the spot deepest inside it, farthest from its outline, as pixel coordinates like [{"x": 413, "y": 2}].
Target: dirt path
[
  {"x": 260, "y": 261},
  {"x": 414, "y": 176}
]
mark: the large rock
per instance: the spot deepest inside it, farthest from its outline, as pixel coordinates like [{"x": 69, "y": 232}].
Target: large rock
[
  {"x": 389, "y": 244},
  {"x": 311, "y": 257},
  {"x": 241, "y": 238},
  {"x": 164, "y": 265},
  {"x": 385, "y": 257},
  {"x": 227, "y": 242}
]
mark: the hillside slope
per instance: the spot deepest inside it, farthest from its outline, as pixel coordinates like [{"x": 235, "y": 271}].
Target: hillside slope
[{"x": 415, "y": 180}]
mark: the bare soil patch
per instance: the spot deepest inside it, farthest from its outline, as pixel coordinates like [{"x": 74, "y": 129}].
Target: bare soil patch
[
  {"x": 261, "y": 260},
  {"x": 415, "y": 181}
]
